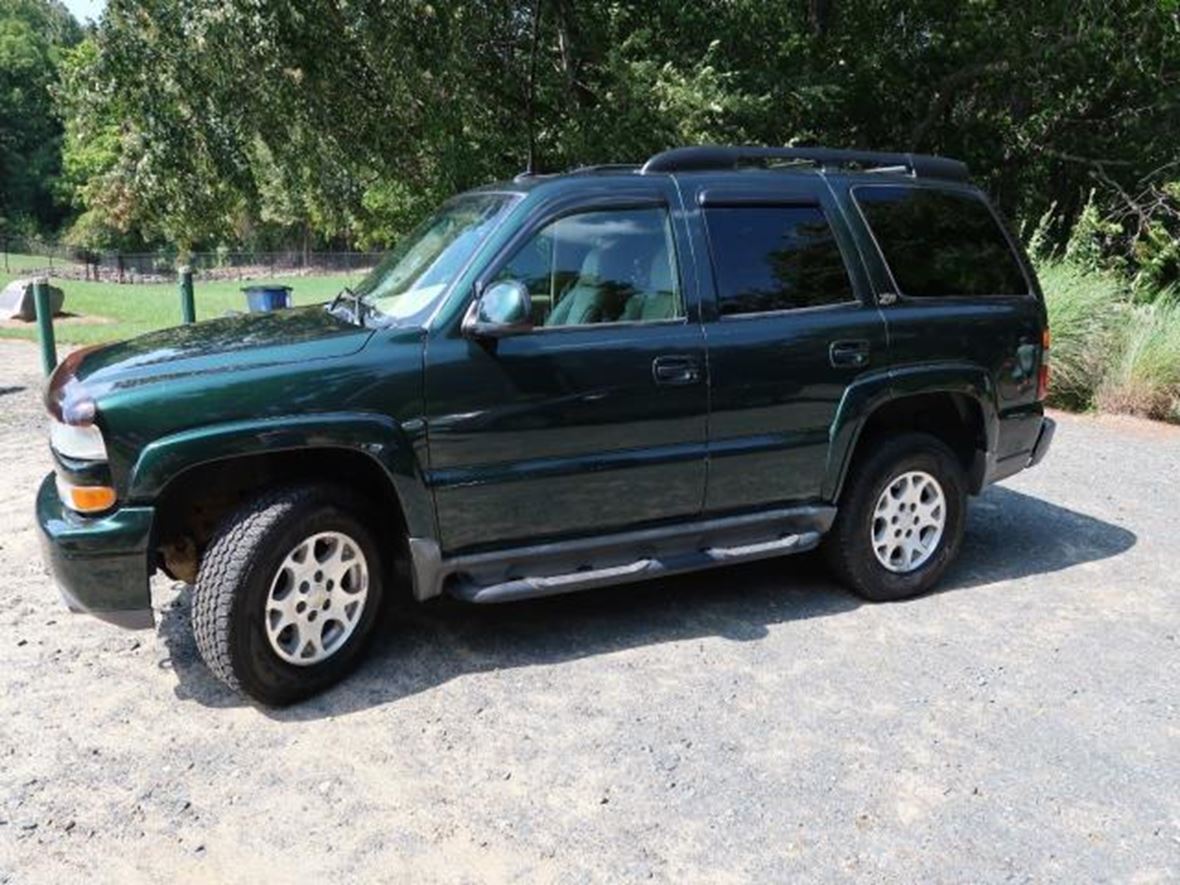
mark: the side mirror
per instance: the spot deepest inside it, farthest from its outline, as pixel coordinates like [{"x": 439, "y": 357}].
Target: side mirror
[{"x": 502, "y": 309}]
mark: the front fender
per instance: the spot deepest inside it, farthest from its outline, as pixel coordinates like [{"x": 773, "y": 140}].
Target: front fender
[
  {"x": 375, "y": 435},
  {"x": 869, "y": 393}
]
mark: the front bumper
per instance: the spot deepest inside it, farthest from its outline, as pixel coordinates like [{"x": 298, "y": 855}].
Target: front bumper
[{"x": 101, "y": 565}]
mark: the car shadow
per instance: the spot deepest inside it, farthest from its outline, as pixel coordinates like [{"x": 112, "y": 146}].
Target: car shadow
[{"x": 1009, "y": 536}]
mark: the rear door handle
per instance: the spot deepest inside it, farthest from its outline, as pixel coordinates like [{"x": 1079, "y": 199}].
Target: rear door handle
[
  {"x": 849, "y": 353},
  {"x": 675, "y": 370}
]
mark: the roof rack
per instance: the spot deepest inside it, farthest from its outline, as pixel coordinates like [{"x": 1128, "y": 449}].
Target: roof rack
[
  {"x": 604, "y": 167},
  {"x": 695, "y": 159}
]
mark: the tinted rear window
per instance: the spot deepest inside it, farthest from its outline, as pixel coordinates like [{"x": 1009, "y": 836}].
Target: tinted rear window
[
  {"x": 940, "y": 243},
  {"x": 769, "y": 258}
]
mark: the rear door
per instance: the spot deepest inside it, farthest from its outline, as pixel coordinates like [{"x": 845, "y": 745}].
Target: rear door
[
  {"x": 595, "y": 420},
  {"x": 961, "y": 292},
  {"x": 790, "y": 324}
]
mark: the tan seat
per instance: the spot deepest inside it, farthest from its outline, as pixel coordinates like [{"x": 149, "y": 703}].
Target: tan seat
[{"x": 658, "y": 302}]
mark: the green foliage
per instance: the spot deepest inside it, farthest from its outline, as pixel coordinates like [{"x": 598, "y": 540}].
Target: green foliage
[
  {"x": 32, "y": 36},
  {"x": 219, "y": 119},
  {"x": 1089, "y": 244},
  {"x": 1039, "y": 243},
  {"x": 262, "y": 124},
  {"x": 1157, "y": 256},
  {"x": 1085, "y": 315},
  {"x": 1144, "y": 376},
  {"x": 1108, "y": 352}
]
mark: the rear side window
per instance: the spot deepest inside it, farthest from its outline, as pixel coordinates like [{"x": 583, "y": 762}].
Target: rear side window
[
  {"x": 768, "y": 258},
  {"x": 939, "y": 243}
]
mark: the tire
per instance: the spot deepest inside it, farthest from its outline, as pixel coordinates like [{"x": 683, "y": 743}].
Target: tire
[
  {"x": 898, "y": 464},
  {"x": 239, "y": 580}
]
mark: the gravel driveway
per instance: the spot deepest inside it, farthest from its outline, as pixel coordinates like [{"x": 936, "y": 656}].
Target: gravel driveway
[{"x": 746, "y": 724}]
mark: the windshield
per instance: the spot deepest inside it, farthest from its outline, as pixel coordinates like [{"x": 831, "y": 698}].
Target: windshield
[{"x": 426, "y": 261}]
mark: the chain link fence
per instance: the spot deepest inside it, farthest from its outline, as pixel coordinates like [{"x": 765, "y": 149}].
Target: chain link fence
[{"x": 32, "y": 257}]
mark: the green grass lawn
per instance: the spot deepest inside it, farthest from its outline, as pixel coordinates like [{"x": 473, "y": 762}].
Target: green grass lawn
[
  {"x": 12, "y": 263},
  {"x": 111, "y": 311}
]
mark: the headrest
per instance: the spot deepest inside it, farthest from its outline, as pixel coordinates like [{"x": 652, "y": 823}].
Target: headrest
[{"x": 660, "y": 278}]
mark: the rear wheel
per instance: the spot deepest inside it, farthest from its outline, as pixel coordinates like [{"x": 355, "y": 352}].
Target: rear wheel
[
  {"x": 287, "y": 594},
  {"x": 900, "y": 519}
]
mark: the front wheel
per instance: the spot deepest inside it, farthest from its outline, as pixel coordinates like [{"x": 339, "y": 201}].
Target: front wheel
[
  {"x": 287, "y": 594},
  {"x": 900, "y": 520}
]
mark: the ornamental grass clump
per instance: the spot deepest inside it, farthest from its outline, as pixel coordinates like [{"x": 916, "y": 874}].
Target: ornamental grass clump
[
  {"x": 1086, "y": 309},
  {"x": 1144, "y": 378}
]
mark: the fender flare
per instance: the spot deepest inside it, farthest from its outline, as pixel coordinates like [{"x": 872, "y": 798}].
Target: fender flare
[
  {"x": 865, "y": 396},
  {"x": 376, "y": 436}
]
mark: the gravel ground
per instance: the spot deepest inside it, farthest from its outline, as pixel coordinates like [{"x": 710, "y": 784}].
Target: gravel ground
[{"x": 751, "y": 723}]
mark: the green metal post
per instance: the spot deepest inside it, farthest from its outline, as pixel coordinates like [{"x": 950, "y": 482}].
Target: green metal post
[
  {"x": 188, "y": 309},
  {"x": 45, "y": 324}
]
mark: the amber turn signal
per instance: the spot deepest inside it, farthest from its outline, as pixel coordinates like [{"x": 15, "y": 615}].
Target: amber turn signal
[{"x": 86, "y": 499}]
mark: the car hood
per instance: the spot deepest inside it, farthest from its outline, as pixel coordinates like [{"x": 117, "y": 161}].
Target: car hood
[{"x": 246, "y": 341}]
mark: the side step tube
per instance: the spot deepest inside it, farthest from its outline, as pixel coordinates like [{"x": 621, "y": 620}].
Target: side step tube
[{"x": 591, "y": 578}]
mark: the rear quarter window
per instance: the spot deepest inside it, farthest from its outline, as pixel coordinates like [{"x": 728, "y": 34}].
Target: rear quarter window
[{"x": 940, "y": 243}]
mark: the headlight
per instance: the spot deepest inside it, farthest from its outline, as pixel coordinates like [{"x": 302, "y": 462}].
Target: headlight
[{"x": 82, "y": 443}]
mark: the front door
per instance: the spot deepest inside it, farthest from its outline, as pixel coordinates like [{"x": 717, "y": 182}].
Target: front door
[{"x": 594, "y": 420}]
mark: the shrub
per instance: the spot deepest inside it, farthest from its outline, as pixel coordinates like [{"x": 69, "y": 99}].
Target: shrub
[
  {"x": 1085, "y": 311},
  {"x": 1144, "y": 379},
  {"x": 1092, "y": 242},
  {"x": 1157, "y": 253}
]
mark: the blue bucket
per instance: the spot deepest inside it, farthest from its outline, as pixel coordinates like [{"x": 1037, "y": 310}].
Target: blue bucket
[{"x": 263, "y": 298}]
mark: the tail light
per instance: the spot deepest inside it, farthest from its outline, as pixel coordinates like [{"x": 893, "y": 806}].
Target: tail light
[{"x": 1043, "y": 370}]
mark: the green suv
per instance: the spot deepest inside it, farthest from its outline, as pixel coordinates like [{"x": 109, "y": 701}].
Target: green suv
[{"x": 559, "y": 383}]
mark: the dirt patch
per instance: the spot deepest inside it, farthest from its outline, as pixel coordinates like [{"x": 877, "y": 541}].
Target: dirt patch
[
  {"x": 754, "y": 723},
  {"x": 1129, "y": 424}
]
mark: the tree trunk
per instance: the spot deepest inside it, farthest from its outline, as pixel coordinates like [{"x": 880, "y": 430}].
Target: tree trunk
[{"x": 819, "y": 15}]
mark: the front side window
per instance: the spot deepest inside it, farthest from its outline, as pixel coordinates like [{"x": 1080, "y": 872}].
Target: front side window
[
  {"x": 771, "y": 258},
  {"x": 940, "y": 243},
  {"x": 602, "y": 266},
  {"x": 424, "y": 263}
]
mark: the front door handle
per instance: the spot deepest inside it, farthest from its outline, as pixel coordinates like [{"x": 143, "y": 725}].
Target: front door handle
[
  {"x": 849, "y": 353},
  {"x": 675, "y": 370}
]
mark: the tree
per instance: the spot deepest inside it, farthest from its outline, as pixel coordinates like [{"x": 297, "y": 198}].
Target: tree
[
  {"x": 32, "y": 35},
  {"x": 227, "y": 119}
]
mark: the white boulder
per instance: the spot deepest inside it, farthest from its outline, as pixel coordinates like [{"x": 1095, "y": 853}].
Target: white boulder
[{"x": 16, "y": 301}]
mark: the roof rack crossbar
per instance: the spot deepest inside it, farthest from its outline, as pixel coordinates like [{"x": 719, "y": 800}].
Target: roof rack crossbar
[{"x": 695, "y": 159}]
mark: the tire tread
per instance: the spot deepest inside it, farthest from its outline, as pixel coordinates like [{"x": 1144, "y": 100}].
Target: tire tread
[
  {"x": 224, "y": 566},
  {"x": 850, "y": 560}
]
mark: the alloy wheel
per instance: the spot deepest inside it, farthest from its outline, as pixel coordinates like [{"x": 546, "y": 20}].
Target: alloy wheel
[
  {"x": 316, "y": 598},
  {"x": 908, "y": 521}
]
